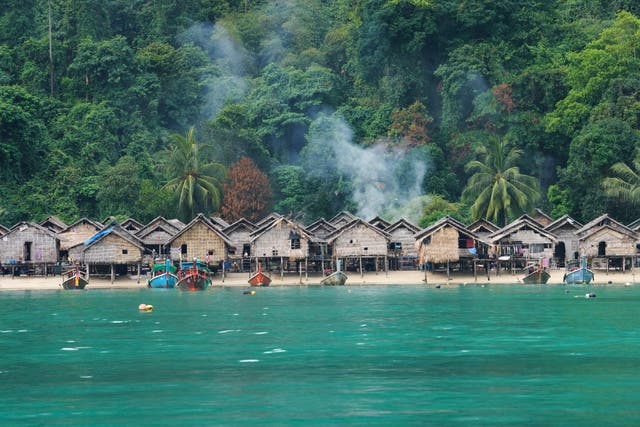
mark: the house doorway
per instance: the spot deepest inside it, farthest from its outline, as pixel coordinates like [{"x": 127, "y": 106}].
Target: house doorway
[{"x": 602, "y": 248}]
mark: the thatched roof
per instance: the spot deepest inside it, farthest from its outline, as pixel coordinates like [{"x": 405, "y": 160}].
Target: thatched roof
[
  {"x": 131, "y": 225},
  {"x": 525, "y": 222},
  {"x": 379, "y": 222},
  {"x": 201, "y": 219},
  {"x": 240, "y": 224},
  {"x": 269, "y": 219},
  {"x": 440, "y": 242},
  {"x": 78, "y": 232},
  {"x": 542, "y": 218},
  {"x": 321, "y": 228},
  {"x": 283, "y": 222},
  {"x": 53, "y": 223},
  {"x": 604, "y": 221},
  {"x": 482, "y": 226},
  {"x": 563, "y": 221},
  {"x": 402, "y": 223},
  {"x": 342, "y": 219},
  {"x": 219, "y": 222}
]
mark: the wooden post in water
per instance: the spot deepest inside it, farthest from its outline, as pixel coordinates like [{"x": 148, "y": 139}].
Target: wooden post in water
[{"x": 386, "y": 266}]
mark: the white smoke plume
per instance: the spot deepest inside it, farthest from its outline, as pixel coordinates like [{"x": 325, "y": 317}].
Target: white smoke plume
[
  {"x": 230, "y": 61},
  {"x": 383, "y": 180}
]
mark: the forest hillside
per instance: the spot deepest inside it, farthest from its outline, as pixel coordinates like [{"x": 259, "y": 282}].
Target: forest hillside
[{"x": 397, "y": 108}]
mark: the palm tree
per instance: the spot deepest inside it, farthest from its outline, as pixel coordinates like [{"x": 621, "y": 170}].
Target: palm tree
[
  {"x": 625, "y": 182},
  {"x": 196, "y": 185},
  {"x": 499, "y": 189}
]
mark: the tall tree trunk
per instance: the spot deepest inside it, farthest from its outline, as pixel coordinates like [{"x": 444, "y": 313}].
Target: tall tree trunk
[{"x": 50, "y": 51}]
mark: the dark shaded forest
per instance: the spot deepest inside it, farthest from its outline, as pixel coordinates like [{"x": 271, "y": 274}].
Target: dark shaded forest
[{"x": 419, "y": 108}]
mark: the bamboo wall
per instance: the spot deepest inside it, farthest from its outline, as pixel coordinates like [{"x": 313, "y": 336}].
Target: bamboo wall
[
  {"x": 109, "y": 250},
  {"x": 44, "y": 246},
  {"x": 530, "y": 237},
  {"x": 75, "y": 235},
  {"x": 617, "y": 243},
  {"x": 200, "y": 240},
  {"x": 360, "y": 240},
  {"x": 571, "y": 242},
  {"x": 275, "y": 242},
  {"x": 442, "y": 247},
  {"x": 407, "y": 239},
  {"x": 239, "y": 237}
]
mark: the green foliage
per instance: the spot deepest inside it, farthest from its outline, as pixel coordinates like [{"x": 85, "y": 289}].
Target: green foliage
[
  {"x": 497, "y": 191},
  {"x": 560, "y": 80}
]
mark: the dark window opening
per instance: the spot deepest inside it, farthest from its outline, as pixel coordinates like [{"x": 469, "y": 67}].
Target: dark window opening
[{"x": 183, "y": 249}]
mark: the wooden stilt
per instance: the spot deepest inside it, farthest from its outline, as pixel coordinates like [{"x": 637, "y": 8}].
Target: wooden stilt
[
  {"x": 306, "y": 268},
  {"x": 139, "y": 271},
  {"x": 361, "y": 271},
  {"x": 386, "y": 266},
  {"x": 113, "y": 273},
  {"x": 281, "y": 268}
]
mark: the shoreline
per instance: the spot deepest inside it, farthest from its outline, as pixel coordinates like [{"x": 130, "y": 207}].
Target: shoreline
[{"x": 412, "y": 277}]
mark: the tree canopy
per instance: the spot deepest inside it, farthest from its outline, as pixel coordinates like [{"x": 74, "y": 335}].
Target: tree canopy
[{"x": 96, "y": 115}]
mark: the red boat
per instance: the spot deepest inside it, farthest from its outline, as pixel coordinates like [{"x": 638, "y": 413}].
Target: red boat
[{"x": 259, "y": 279}]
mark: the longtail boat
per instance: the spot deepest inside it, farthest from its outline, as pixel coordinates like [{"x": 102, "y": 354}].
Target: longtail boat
[
  {"x": 581, "y": 275},
  {"x": 193, "y": 276},
  {"x": 163, "y": 275},
  {"x": 259, "y": 279},
  {"x": 75, "y": 279},
  {"x": 537, "y": 275},
  {"x": 337, "y": 278}
]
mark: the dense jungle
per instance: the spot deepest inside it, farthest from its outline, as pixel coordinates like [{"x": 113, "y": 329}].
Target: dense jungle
[{"x": 391, "y": 108}]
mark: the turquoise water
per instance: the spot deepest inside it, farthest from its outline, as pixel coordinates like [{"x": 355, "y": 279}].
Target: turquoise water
[{"x": 397, "y": 355}]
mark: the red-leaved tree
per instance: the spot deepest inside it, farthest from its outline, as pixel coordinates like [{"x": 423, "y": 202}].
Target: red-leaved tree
[{"x": 247, "y": 192}]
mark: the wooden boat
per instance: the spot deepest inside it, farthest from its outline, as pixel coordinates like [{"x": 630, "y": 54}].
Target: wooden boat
[
  {"x": 337, "y": 278},
  {"x": 163, "y": 275},
  {"x": 259, "y": 279},
  {"x": 580, "y": 275},
  {"x": 76, "y": 279},
  {"x": 193, "y": 276},
  {"x": 537, "y": 275}
]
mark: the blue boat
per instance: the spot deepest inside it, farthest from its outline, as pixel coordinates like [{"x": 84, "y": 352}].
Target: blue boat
[
  {"x": 578, "y": 276},
  {"x": 163, "y": 275}
]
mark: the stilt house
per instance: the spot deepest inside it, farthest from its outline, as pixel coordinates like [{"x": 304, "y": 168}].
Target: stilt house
[
  {"x": 363, "y": 247},
  {"x": 112, "y": 251},
  {"x": 29, "y": 246},
  {"x": 403, "y": 254},
  {"x": 565, "y": 228},
  {"x": 239, "y": 234},
  {"x": 523, "y": 239},
  {"x": 282, "y": 241},
  {"x": 448, "y": 244},
  {"x": 202, "y": 240},
  {"x": 608, "y": 243}
]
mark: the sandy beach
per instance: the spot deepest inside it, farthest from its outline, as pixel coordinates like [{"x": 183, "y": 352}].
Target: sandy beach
[{"x": 355, "y": 279}]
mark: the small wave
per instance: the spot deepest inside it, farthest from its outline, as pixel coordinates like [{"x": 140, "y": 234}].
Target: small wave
[
  {"x": 119, "y": 321},
  {"x": 69, "y": 349},
  {"x": 249, "y": 361},
  {"x": 260, "y": 333},
  {"x": 226, "y": 331},
  {"x": 275, "y": 350},
  {"x": 86, "y": 377},
  {"x": 157, "y": 331}
]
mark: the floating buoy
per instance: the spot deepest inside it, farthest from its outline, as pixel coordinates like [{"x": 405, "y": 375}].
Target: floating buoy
[
  {"x": 249, "y": 292},
  {"x": 145, "y": 307},
  {"x": 590, "y": 295}
]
